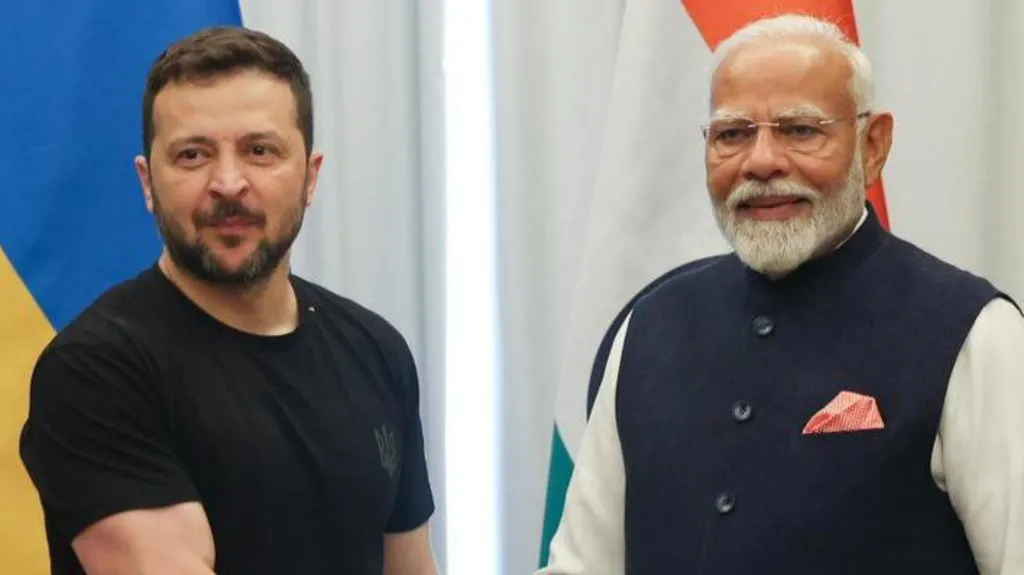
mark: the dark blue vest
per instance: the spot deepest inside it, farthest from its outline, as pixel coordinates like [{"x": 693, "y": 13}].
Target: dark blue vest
[{"x": 722, "y": 369}]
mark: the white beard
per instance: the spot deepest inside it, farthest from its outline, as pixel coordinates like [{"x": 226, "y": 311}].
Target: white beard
[{"x": 776, "y": 248}]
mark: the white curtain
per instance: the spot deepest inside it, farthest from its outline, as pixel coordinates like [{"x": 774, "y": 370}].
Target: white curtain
[
  {"x": 553, "y": 72},
  {"x": 375, "y": 231}
]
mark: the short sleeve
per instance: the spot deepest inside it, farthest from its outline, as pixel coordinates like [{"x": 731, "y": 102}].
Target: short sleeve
[
  {"x": 415, "y": 502},
  {"x": 96, "y": 442}
]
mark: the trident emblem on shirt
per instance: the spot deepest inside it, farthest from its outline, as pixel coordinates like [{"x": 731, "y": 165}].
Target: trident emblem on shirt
[{"x": 386, "y": 447}]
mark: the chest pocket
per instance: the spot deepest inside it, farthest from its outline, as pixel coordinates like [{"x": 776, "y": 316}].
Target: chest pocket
[{"x": 836, "y": 422}]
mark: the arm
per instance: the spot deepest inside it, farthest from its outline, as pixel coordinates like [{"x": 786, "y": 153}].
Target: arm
[
  {"x": 590, "y": 537},
  {"x": 409, "y": 553},
  {"x": 980, "y": 455},
  {"x": 97, "y": 450},
  {"x": 173, "y": 540}
]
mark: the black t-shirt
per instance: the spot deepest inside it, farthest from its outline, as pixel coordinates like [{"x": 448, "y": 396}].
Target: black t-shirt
[{"x": 304, "y": 449}]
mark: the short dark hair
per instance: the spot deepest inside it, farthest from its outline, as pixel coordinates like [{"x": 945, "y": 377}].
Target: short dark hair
[{"x": 222, "y": 50}]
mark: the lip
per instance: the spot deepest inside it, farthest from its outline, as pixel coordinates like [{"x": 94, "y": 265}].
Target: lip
[
  {"x": 769, "y": 201},
  {"x": 233, "y": 225},
  {"x": 774, "y": 208}
]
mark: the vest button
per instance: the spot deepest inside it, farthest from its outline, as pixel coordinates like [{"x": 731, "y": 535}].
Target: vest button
[
  {"x": 724, "y": 503},
  {"x": 763, "y": 325},
  {"x": 742, "y": 411}
]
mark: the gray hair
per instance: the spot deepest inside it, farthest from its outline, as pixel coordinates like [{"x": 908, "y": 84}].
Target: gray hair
[{"x": 788, "y": 26}]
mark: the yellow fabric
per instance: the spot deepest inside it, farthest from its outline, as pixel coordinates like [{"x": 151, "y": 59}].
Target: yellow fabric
[{"x": 24, "y": 331}]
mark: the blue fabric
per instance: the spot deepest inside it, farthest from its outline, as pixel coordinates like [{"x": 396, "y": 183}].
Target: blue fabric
[
  {"x": 72, "y": 216},
  {"x": 722, "y": 369}
]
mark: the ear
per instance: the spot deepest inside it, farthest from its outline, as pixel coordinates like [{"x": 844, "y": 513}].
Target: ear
[
  {"x": 316, "y": 160},
  {"x": 145, "y": 178},
  {"x": 877, "y": 142}
]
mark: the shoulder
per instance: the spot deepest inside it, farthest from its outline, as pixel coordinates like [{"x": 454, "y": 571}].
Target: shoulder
[
  {"x": 115, "y": 324},
  {"x": 693, "y": 278},
  {"x": 691, "y": 273},
  {"x": 922, "y": 266},
  {"x": 361, "y": 330},
  {"x": 346, "y": 312},
  {"x": 940, "y": 279},
  {"x": 120, "y": 346},
  {"x": 102, "y": 358}
]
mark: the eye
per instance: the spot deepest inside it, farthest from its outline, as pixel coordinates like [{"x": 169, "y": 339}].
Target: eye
[
  {"x": 190, "y": 155},
  {"x": 800, "y": 131},
  {"x": 263, "y": 150},
  {"x": 729, "y": 134}
]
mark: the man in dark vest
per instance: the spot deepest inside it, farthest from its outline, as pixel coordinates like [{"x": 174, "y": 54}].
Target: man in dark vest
[{"x": 828, "y": 398}]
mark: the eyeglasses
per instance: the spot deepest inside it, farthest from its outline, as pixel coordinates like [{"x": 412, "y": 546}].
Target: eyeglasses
[{"x": 805, "y": 135}]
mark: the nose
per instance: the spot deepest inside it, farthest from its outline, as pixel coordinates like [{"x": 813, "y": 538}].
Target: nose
[
  {"x": 228, "y": 177},
  {"x": 766, "y": 159}
]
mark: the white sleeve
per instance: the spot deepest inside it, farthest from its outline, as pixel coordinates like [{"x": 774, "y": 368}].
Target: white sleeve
[
  {"x": 590, "y": 538},
  {"x": 979, "y": 453}
]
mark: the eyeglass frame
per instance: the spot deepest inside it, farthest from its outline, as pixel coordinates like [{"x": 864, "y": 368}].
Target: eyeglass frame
[{"x": 778, "y": 124}]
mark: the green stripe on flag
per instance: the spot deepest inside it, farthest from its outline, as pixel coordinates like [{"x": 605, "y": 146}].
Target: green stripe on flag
[{"x": 559, "y": 473}]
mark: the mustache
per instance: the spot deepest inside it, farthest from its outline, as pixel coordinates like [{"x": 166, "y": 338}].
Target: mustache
[
  {"x": 229, "y": 209},
  {"x": 750, "y": 190}
]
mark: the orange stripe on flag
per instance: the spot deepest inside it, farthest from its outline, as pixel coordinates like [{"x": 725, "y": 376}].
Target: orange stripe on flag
[{"x": 718, "y": 19}]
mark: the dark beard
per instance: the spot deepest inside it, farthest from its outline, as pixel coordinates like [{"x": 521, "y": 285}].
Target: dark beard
[{"x": 198, "y": 260}]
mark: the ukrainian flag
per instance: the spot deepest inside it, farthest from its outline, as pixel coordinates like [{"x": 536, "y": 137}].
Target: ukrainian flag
[{"x": 72, "y": 217}]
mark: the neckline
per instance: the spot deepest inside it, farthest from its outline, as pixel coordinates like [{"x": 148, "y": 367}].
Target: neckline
[{"x": 229, "y": 333}]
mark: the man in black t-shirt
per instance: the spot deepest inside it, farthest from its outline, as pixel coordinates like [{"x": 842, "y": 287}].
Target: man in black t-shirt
[{"x": 217, "y": 413}]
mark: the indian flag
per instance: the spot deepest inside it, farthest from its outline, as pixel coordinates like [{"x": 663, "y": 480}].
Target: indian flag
[
  {"x": 650, "y": 211},
  {"x": 72, "y": 217}
]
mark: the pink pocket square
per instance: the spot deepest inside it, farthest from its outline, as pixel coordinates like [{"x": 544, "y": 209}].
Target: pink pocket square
[{"x": 847, "y": 412}]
